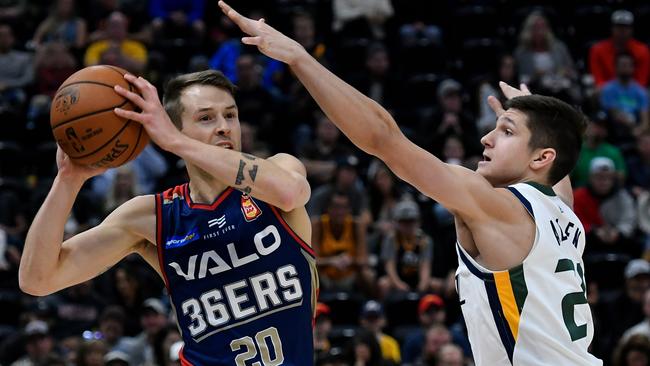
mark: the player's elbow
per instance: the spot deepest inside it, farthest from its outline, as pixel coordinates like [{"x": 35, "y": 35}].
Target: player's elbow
[
  {"x": 381, "y": 140},
  {"x": 31, "y": 284},
  {"x": 294, "y": 195}
]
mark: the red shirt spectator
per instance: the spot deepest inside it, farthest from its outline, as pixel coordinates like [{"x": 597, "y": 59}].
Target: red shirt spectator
[{"x": 602, "y": 55}]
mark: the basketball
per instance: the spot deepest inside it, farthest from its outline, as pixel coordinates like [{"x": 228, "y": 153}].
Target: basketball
[{"x": 83, "y": 121}]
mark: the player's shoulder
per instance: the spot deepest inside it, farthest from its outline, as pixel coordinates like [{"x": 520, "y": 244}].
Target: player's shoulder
[{"x": 134, "y": 208}]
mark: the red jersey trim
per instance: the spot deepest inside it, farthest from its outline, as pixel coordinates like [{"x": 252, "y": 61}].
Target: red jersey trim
[
  {"x": 202, "y": 206},
  {"x": 295, "y": 236},
  {"x": 181, "y": 356},
  {"x": 159, "y": 241}
]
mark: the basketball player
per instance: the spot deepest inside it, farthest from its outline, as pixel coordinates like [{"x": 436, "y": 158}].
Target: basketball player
[
  {"x": 231, "y": 245},
  {"x": 521, "y": 279}
]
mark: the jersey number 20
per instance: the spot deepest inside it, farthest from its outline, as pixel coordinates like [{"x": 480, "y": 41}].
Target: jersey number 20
[{"x": 259, "y": 345}]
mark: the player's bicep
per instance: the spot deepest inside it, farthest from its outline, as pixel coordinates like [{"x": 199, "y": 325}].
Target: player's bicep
[{"x": 93, "y": 251}]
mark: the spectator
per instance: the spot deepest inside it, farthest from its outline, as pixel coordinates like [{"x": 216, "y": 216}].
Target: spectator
[
  {"x": 129, "y": 291},
  {"x": 374, "y": 320},
  {"x": 625, "y": 100},
  {"x": 364, "y": 350},
  {"x": 595, "y": 144},
  {"x": 116, "y": 358},
  {"x": 322, "y": 329},
  {"x": 16, "y": 71},
  {"x": 346, "y": 179},
  {"x": 77, "y": 309},
  {"x": 384, "y": 191},
  {"x": 38, "y": 344},
  {"x": 507, "y": 72},
  {"x": 642, "y": 328},
  {"x": 407, "y": 253},
  {"x": 378, "y": 82},
  {"x": 321, "y": 154},
  {"x": 177, "y": 18},
  {"x": 250, "y": 143},
  {"x": 543, "y": 59},
  {"x": 111, "y": 326},
  {"x": 91, "y": 353},
  {"x": 254, "y": 102},
  {"x": 436, "y": 337},
  {"x": 339, "y": 239},
  {"x": 602, "y": 55},
  {"x": 13, "y": 217},
  {"x": 62, "y": 25},
  {"x": 361, "y": 18},
  {"x": 639, "y": 163},
  {"x": 635, "y": 351},
  {"x": 626, "y": 309},
  {"x": 449, "y": 119},
  {"x": 117, "y": 49},
  {"x": 606, "y": 210},
  {"x": 450, "y": 355},
  {"x": 124, "y": 188},
  {"x": 152, "y": 319}
]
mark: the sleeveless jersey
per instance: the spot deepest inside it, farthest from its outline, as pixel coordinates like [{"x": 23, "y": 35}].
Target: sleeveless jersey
[
  {"x": 242, "y": 283},
  {"x": 537, "y": 312}
]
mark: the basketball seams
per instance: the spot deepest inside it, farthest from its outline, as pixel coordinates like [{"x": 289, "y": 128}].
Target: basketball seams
[
  {"x": 84, "y": 82},
  {"x": 90, "y": 114},
  {"x": 137, "y": 142},
  {"x": 117, "y": 70},
  {"x": 108, "y": 141}
]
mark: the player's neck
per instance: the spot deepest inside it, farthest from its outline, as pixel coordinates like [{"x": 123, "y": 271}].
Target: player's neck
[{"x": 204, "y": 188}]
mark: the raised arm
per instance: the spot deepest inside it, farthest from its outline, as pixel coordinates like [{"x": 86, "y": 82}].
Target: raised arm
[
  {"x": 48, "y": 265},
  {"x": 279, "y": 180}
]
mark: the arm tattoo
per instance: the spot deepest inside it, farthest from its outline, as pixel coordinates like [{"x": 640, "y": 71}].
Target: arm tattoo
[
  {"x": 240, "y": 174},
  {"x": 253, "y": 173},
  {"x": 248, "y": 156}
]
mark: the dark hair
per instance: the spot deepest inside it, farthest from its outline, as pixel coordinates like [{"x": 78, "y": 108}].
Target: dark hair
[
  {"x": 175, "y": 87},
  {"x": 637, "y": 342},
  {"x": 553, "y": 124},
  {"x": 113, "y": 312}
]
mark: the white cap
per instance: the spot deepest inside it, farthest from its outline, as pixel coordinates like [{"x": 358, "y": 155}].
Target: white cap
[{"x": 175, "y": 351}]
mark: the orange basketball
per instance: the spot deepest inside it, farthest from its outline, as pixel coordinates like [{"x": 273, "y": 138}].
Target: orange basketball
[{"x": 84, "y": 124}]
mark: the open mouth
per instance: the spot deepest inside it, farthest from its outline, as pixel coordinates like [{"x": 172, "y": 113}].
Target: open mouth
[
  {"x": 486, "y": 158},
  {"x": 225, "y": 145}
]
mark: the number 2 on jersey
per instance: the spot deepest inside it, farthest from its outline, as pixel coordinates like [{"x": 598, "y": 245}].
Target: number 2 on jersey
[
  {"x": 569, "y": 301},
  {"x": 260, "y": 343}
]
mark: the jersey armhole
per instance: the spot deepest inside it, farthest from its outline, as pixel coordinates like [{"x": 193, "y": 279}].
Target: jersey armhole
[
  {"x": 293, "y": 234},
  {"x": 159, "y": 240}
]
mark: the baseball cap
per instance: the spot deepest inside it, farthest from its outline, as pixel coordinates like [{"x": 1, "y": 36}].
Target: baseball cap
[
  {"x": 347, "y": 161},
  {"x": 406, "y": 210},
  {"x": 117, "y": 358},
  {"x": 601, "y": 164},
  {"x": 637, "y": 267},
  {"x": 448, "y": 86},
  {"x": 154, "y": 304},
  {"x": 429, "y": 301},
  {"x": 372, "y": 309},
  {"x": 36, "y": 328},
  {"x": 175, "y": 351},
  {"x": 622, "y": 17}
]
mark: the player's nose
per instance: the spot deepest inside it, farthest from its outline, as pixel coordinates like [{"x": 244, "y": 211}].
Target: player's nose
[
  {"x": 486, "y": 140},
  {"x": 222, "y": 128}
]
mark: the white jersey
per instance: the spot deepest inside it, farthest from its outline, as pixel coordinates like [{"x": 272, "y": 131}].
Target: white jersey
[{"x": 537, "y": 312}]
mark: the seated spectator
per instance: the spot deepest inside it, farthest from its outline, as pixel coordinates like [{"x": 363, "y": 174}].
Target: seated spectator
[
  {"x": 507, "y": 72},
  {"x": 111, "y": 326},
  {"x": 117, "y": 49},
  {"x": 91, "y": 353},
  {"x": 321, "y": 153},
  {"x": 254, "y": 102},
  {"x": 322, "y": 329},
  {"x": 141, "y": 347},
  {"x": 625, "y": 100},
  {"x": 339, "y": 239},
  {"x": 374, "y": 320},
  {"x": 62, "y": 25},
  {"x": 346, "y": 179},
  {"x": 407, "y": 254},
  {"x": 38, "y": 344},
  {"x": 174, "y": 18},
  {"x": 602, "y": 55},
  {"x": 639, "y": 163},
  {"x": 642, "y": 328},
  {"x": 543, "y": 59},
  {"x": 379, "y": 83},
  {"x": 252, "y": 144},
  {"x": 595, "y": 144},
  {"x": 450, "y": 355},
  {"x": 361, "y": 18},
  {"x": 16, "y": 72},
  {"x": 606, "y": 211},
  {"x": 436, "y": 337},
  {"x": 124, "y": 188},
  {"x": 626, "y": 309},
  {"x": 635, "y": 351},
  {"x": 364, "y": 350}
]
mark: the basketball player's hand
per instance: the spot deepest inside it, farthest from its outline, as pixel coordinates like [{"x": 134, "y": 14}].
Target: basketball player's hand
[
  {"x": 268, "y": 40},
  {"x": 510, "y": 92},
  {"x": 152, "y": 115},
  {"x": 69, "y": 170}
]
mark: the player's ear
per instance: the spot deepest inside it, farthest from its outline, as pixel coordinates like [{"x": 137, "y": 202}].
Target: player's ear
[{"x": 542, "y": 158}]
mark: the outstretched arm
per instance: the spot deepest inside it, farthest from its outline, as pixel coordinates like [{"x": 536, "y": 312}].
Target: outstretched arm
[{"x": 48, "y": 265}]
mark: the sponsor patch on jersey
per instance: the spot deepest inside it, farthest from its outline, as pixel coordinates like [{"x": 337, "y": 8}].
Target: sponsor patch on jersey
[
  {"x": 181, "y": 240},
  {"x": 249, "y": 208}
]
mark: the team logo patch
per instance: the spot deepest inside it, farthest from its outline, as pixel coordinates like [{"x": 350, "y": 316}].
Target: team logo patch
[
  {"x": 249, "y": 208},
  {"x": 181, "y": 240}
]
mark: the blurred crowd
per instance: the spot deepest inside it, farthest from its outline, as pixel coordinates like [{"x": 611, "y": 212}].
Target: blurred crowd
[{"x": 386, "y": 253}]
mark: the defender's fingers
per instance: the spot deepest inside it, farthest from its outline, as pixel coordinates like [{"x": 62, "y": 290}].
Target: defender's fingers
[
  {"x": 524, "y": 88},
  {"x": 252, "y": 41},
  {"x": 496, "y": 106},
  {"x": 242, "y": 22}
]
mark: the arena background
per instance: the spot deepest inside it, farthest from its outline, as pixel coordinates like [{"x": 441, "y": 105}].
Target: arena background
[{"x": 430, "y": 63}]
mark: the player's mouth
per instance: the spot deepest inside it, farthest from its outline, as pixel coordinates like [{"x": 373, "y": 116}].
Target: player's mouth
[
  {"x": 486, "y": 158},
  {"x": 225, "y": 145}
]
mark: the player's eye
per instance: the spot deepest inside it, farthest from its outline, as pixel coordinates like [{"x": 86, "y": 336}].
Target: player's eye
[
  {"x": 204, "y": 117},
  {"x": 230, "y": 115},
  {"x": 508, "y": 132}
]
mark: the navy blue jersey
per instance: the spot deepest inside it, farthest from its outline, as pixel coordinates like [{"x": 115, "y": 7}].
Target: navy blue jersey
[{"x": 242, "y": 283}]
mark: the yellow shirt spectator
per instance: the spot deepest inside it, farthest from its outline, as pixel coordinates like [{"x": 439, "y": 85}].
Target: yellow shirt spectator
[{"x": 131, "y": 49}]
